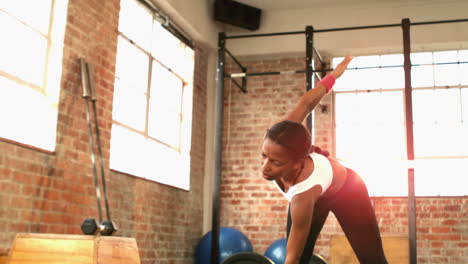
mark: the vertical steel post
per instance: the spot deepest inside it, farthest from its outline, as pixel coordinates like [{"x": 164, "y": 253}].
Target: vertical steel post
[
  {"x": 244, "y": 80},
  {"x": 219, "y": 108},
  {"x": 309, "y": 71},
  {"x": 405, "y": 23}
]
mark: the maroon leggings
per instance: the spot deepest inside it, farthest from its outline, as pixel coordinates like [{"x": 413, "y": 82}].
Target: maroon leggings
[{"x": 353, "y": 209}]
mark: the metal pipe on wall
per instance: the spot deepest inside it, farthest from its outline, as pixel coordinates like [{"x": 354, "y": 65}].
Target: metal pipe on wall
[
  {"x": 405, "y": 24},
  {"x": 265, "y": 35},
  {"x": 309, "y": 78},
  {"x": 218, "y": 146}
]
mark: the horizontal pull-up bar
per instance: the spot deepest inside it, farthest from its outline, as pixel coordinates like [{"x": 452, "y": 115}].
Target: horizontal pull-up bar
[
  {"x": 356, "y": 28},
  {"x": 391, "y": 25},
  {"x": 266, "y": 34},
  {"x": 245, "y": 74},
  {"x": 356, "y": 91},
  {"x": 400, "y": 66},
  {"x": 348, "y": 28},
  {"x": 439, "y": 22}
]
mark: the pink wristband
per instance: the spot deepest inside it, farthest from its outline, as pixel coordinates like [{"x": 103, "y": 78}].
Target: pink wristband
[{"x": 328, "y": 81}]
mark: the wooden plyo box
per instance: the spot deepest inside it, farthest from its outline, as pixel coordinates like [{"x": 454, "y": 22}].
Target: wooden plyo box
[
  {"x": 396, "y": 250},
  {"x": 30, "y": 248},
  {"x": 3, "y": 258}
]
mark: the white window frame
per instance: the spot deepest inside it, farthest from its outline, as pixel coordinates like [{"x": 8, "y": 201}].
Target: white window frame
[
  {"x": 30, "y": 108},
  {"x": 425, "y": 165},
  {"x": 133, "y": 149}
]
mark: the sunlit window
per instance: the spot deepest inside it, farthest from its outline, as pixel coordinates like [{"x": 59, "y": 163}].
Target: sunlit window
[
  {"x": 152, "y": 111},
  {"x": 30, "y": 69},
  {"x": 370, "y": 124}
]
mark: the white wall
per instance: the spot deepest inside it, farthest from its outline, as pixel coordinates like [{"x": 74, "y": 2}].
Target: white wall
[
  {"x": 376, "y": 12},
  {"x": 195, "y": 17}
]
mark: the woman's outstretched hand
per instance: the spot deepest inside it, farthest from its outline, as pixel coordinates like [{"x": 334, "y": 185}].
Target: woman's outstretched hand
[
  {"x": 311, "y": 98},
  {"x": 339, "y": 70}
]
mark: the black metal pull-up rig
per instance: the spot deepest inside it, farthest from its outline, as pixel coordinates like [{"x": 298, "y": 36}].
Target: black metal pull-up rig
[{"x": 311, "y": 55}]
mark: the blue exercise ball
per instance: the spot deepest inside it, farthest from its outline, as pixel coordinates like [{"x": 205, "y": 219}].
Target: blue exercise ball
[
  {"x": 277, "y": 251},
  {"x": 231, "y": 241}
]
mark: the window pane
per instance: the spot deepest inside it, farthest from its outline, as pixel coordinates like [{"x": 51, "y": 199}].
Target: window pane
[
  {"x": 463, "y": 55},
  {"x": 436, "y": 106},
  {"x": 421, "y": 58},
  {"x": 370, "y": 136},
  {"x": 464, "y": 105},
  {"x": 367, "y": 79},
  {"x": 137, "y": 155},
  {"x": 129, "y": 152},
  {"x": 349, "y": 81},
  {"x": 164, "y": 125},
  {"x": 391, "y": 78},
  {"x": 363, "y": 132},
  {"x": 166, "y": 88},
  {"x": 391, "y": 59},
  {"x": 157, "y": 154},
  {"x": 422, "y": 76},
  {"x": 382, "y": 177},
  {"x": 185, "y": 66},
  {"x": 464, "y": 74},
  {"x": 132, "y": 66},
  {"x": 129, "y": 107},
  {"x": 35, "y": 13},
  {"x": 186, "y": 118},
  {"x": 352, "y": 64},
  {"x": 445, "y": 56},
  {"x": 371, "y": 79},
  {"x": 447, "y": 75},
  {"x": 165, "y": 106},
  {"x": 135, "y": 22},
  {"x": 370, "y": 123},
  {"x": 445, "y": 177},
  {"x": 368, "y": 61},
  {"x": 23, "y": 52},
  {"x": 34, "y": 121},
  {"x": 166, "y": 165},
  {"x": 172, "y": 52},
  {"x": 440, "y": 140},
  {"x": 131, "y": 85},
  {"x": 438, "y": 130}
]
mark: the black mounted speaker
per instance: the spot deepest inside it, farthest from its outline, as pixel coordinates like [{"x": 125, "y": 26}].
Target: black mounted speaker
[{"x": 237, "y": 14}]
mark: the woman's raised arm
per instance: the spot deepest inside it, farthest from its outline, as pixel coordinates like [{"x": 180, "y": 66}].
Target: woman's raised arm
[{"x": 311, "y": 98}]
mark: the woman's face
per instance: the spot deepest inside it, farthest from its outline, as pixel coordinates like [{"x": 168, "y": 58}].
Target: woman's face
[{"x": 277, "y": 161}]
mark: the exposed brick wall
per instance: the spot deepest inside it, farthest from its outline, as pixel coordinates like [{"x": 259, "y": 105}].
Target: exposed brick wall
[
  {"x": 249, "y": 203},
  {"x": 53, "y": 193},
  {"x": 255, "y": 207}
]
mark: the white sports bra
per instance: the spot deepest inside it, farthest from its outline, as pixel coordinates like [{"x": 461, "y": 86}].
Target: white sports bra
[{"x": 322, "y": 175}]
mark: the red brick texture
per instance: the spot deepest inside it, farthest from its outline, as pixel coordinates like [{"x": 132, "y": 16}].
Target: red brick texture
[
  {"x": 53, "y": 193},
  {"x": 255, "y": 207}
]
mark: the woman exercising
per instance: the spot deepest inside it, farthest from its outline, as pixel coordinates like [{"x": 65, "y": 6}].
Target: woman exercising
[{"x": 316, "y": 184}]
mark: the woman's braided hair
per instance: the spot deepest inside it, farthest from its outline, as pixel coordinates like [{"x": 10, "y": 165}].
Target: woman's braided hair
[{"x": 295, "y": 137}]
